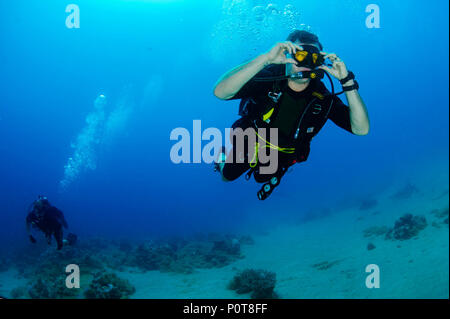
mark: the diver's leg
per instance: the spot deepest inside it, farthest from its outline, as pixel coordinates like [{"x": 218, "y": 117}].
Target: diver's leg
[
  {"x": 227, "y": 167},
  {"x": 236, "y": 162},
  {"x": 49, "y": 238},
  {"x": 59, "y": 237},
  {"x": 231, "y": 170}
]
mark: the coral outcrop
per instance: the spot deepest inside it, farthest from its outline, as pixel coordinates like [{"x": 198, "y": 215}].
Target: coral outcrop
[
  {"x": 109, "y": 286},
  {"x": 51, "y": 288},
  {"x": 406, "y": 227},
  {"x": 259, "y": 283}
]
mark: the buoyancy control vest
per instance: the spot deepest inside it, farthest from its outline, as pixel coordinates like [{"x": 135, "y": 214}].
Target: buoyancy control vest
[{"x": 260, "y": 112}]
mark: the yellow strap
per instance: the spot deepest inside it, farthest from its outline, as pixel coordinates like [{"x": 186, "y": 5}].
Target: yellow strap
[
  {"x": 268, "y": 114},
  {"x": 254, "y": 160},
  {"x": 286, "y": 150},
  {"x": 318, "y": 95}
]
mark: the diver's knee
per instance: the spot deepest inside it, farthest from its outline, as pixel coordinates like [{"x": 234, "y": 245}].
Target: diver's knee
[
  {"x": 231, "y": 172},
  {"x": 227, "y": 175},
  {"x": 224, "y": 179}
]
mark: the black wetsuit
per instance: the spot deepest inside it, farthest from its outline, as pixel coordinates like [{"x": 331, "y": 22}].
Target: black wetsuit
[
  {"x": 288, "y": 112},
  {"x": 50, "y": 220}
]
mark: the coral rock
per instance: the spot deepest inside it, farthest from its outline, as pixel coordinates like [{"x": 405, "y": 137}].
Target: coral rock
[
  {"x": 109, "y": 286},
  {"x": 406, "y": 227},
  {"x": 260, "y": 283}
]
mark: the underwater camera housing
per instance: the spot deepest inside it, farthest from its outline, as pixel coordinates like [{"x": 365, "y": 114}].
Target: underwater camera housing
[{"x": 314, "y": 74}]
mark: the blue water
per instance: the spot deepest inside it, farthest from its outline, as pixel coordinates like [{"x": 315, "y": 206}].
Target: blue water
[{"x": 157, "y": 62}]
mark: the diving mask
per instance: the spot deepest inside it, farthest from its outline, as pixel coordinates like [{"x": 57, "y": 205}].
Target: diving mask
[{"x": 309, "y": 57}]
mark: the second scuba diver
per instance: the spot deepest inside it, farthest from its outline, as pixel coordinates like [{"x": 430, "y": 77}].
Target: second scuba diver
[
  {"x": 282, "y": 89},
  {"x": 50, "y": 220}
]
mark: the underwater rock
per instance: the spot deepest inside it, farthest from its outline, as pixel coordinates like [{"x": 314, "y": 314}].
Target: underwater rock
[
  {"x": 367, "y": 204},
  {"x": 18, "y": 292},
  {"x": 406, "y": 192},
  {"x": 260, "y": 283},
  {"x": 185, "y": 256},
  {"x": 49, "y": 263},
  {"x": 45, "y": 287},
  {"x": 375, "y": 231},
  {"x": 125, "y": 246},
  {"x": 189, "y": 257},
  {"x": 152, "y": 256},
  {"x": 39, "y": 290},
  {"x": 231, "y": 247},
  {"x": 179, "y": 243},
  {"x": 93, "y": 255},
  {"x": 116, "y": 260},
  {"x": 89, "y": 259},
  {"x": 90, "y": 262},
  {"x": 210, "y": 254},
  {"x": 223, "y": 253},
  {"x": 109, "y": 286},
  {"x": 370, "y": 246},
  {"x": 406, "y": 227}
]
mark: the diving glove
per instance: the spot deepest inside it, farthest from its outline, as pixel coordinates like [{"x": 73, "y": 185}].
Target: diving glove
[{"x": 221, "y": 158}]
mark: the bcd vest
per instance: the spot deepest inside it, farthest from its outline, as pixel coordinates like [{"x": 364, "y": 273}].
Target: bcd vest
[{"x": 260, "y": 112}]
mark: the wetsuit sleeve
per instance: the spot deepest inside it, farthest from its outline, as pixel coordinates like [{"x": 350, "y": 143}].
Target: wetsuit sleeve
[
  {"x": 258, "y": 88},
  {"x": 253, "y": 89},
  {"x": 340, "y": 114}
]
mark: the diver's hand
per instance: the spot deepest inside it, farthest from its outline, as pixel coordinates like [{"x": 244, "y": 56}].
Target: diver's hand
[
  {"x": 32, "y": 239},
  {"x": 277, "y": 55},
  {"x": 338, "y": 70}
]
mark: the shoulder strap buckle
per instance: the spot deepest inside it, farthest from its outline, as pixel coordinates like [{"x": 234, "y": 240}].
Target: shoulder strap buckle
[
  {"x": 276, "y": 92},
  {"x": 275, "y": 96},
  {"x": 317, "y": 108}
]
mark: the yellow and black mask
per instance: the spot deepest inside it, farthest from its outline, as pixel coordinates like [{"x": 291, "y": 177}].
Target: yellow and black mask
[{"x": 309, "y": 57}]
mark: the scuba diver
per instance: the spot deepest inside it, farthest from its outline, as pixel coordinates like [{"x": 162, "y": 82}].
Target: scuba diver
[
  {"x": 282, "y": 89},
  {"x": 48, "y": 219}
]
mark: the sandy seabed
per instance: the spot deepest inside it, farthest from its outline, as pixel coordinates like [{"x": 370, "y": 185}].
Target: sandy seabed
[{"x": 414, "y": 268}]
